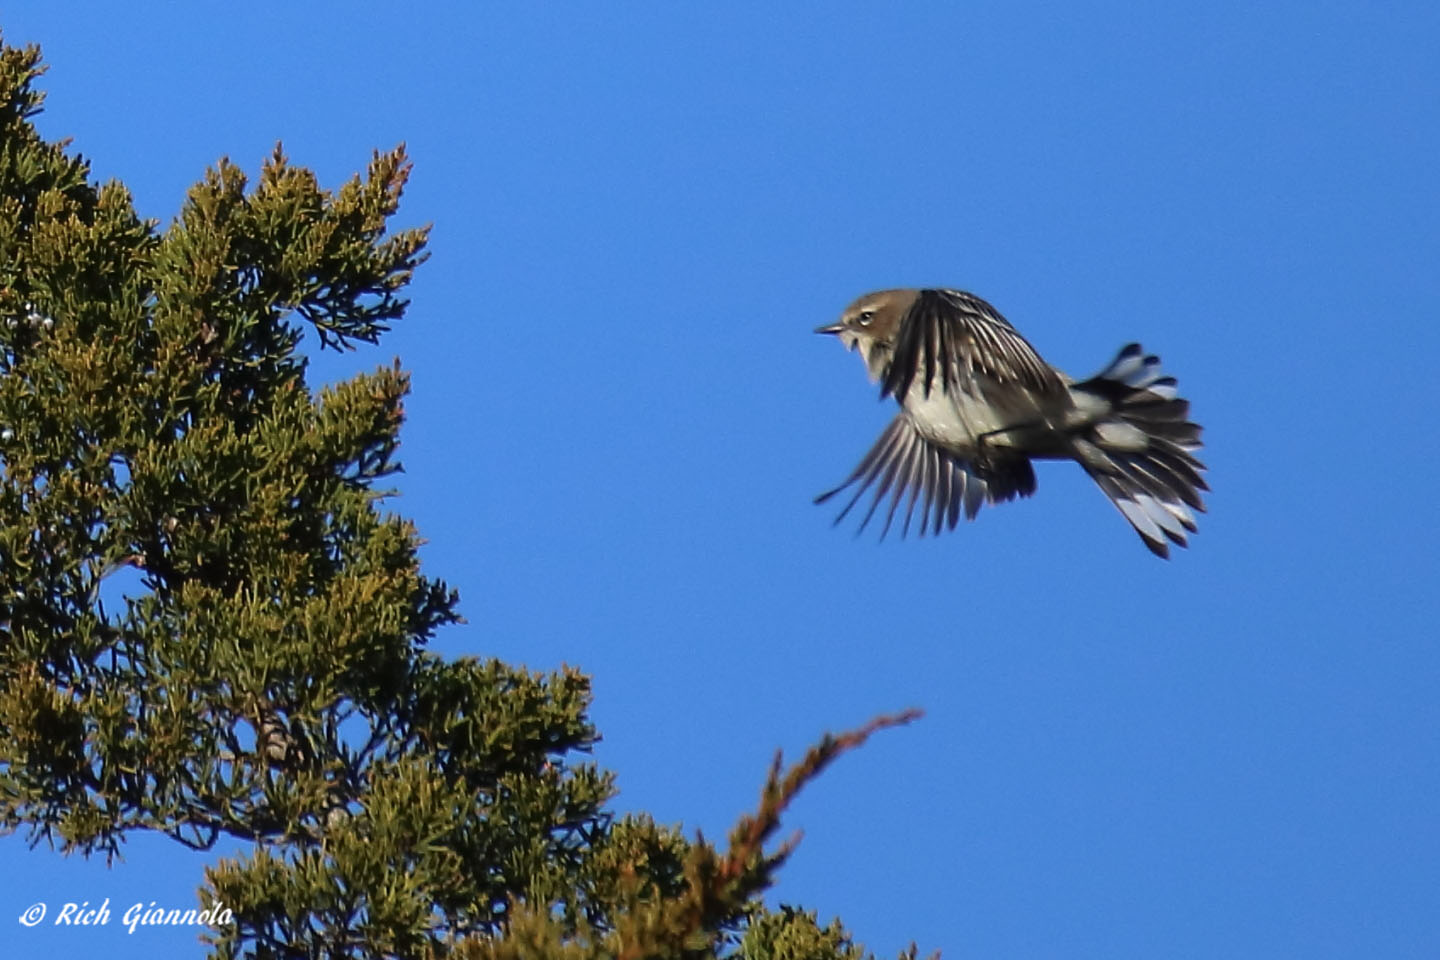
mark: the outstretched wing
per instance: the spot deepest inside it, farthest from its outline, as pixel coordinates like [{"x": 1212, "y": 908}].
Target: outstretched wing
[
  {"x": 958, "y": 335},
  {"x": 903, "y": 465}
]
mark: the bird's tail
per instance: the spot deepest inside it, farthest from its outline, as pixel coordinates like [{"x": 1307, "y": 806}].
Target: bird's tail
[{"x": 1142, "y": 454}]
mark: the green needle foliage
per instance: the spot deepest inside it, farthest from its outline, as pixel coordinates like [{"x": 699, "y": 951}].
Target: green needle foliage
[{"x": 258, "y": 671}]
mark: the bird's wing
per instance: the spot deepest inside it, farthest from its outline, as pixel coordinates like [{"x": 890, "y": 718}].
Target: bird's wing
[
  {"x": 903, "y": 465},
  {"x": 958, "y": 335}
]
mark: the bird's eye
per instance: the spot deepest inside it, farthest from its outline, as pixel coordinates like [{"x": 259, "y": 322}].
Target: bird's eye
[{"x": 865, "y": 317}]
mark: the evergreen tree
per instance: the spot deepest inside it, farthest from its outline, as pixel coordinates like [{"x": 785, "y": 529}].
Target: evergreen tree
[{"x": 267, "y": 679}]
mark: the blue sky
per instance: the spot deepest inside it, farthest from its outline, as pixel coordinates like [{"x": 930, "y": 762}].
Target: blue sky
[{"x": 620, "y": 415}]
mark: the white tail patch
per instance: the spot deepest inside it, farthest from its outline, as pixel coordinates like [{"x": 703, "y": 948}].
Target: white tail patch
[{"x": 1119, "y": 435}]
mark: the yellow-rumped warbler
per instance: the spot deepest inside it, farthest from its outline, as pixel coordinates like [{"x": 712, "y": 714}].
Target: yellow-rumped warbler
[{"x": 977, "y": 404}]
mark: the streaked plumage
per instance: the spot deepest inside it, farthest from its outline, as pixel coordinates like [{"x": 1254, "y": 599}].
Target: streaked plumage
[{"x": 978, "y": 404}]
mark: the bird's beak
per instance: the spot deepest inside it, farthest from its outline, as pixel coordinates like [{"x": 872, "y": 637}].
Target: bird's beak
[{"x": 831, "y": 328}]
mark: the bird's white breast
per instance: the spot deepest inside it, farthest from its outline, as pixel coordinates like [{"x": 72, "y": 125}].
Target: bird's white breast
[
  {"x": 1006, "y": 414},
  {"x": 953, "y": 419}
]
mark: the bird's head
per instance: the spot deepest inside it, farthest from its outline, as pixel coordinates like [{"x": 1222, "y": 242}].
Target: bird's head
[{"x": 871, "y": 323}]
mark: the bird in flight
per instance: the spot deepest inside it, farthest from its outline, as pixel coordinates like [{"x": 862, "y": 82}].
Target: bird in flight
[{"x": 978, "y": 404}]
